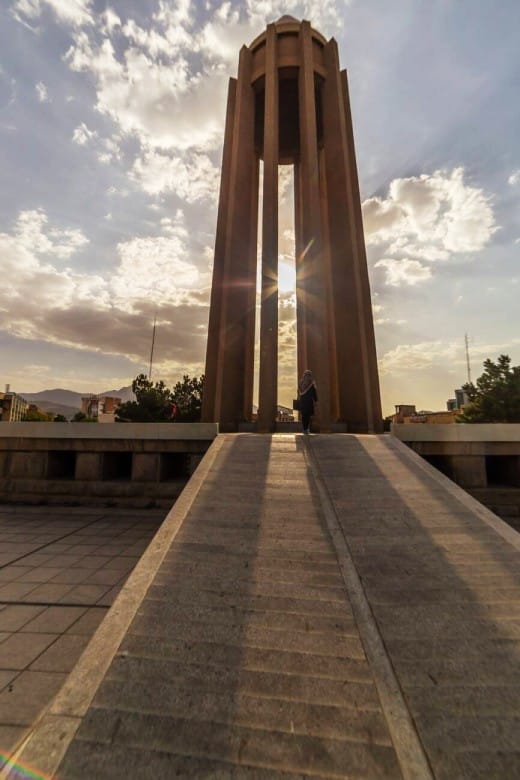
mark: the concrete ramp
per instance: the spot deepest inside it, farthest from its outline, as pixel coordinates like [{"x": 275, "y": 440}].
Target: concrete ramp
[{"x": 323, "y": 606}]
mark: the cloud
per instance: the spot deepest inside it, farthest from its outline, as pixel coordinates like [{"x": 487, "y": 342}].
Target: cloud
[
  {"x": 74, "y": 12},
  {"x": 150, "y": 90},
  {"x": 404, "y": 271},
  {"x": 429, "y": 218},
  {"x": 192, "y": 177},
  {"x": 82, "y": 134},
  {"x": 417, "y": 357},
  {"x": 438, "y": 209},
  {"x": 41, "y": 92},
  {"x": 407, "y": 358},
  {"x": 514, "y": 179},
  {"x": 107, "y": 312},
  {"x": 31, "y": 232}
]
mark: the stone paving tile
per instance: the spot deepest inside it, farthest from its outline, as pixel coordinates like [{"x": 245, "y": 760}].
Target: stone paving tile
[
  {"x": 21, "y": 649},
  {"x": 38, "y": 574},
  {"x": 62, "y": 655},
  {"x": 7, "y": 676},
  {"x": 15, "y": 591},
  {"x": 10, "y": 737},
  {"x": 104, "y": 576},
  {"x": 94, "y": 562},
  {"x": 14, "y": 616},
  {"x": 54, "y": 620},
  {"x": 84, "y": 594},
  {"x": 48, "y": 593},
  {"x": 88, "y": 622},
  {"x": 73, "y": 576},
  {"x": 28, "y": 694}
]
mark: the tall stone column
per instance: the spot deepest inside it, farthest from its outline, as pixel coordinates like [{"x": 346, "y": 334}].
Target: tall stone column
[
  {"x": 301, "y": 328},
  {"x": 268, "y": 378},
  {"x": 373, "y": 422},
  {"x": 314, "y": 296},
  {"x": 354, "y": 348},
  {"x": 218, "y": 286},
  {"x": 234, "y": 369}
]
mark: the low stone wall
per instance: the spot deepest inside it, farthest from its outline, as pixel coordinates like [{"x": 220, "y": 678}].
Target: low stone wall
[
  {"x": 483, "y": 459},
  {"x": 136, "y": 464}
]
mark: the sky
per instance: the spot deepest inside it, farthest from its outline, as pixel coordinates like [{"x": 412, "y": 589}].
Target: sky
[{"x": 111, "y": 129}]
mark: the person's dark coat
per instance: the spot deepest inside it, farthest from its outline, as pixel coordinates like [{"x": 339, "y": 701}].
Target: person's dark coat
[{"x": 308, "y": 399}]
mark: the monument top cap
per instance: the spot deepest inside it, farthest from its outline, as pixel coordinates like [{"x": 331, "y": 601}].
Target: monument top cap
[{"x": 286, "y": 18}]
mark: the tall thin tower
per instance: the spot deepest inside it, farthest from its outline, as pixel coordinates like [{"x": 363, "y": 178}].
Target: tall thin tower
[{"x": 290, "y": 105}]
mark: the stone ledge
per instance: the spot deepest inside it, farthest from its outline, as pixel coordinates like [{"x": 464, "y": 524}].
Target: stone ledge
[{"x": 44, "y": 430}]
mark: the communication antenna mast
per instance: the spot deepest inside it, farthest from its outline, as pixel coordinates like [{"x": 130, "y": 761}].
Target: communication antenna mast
[
  {"x": 468, "y": 367},
  {"x": 153, "y": 342}
]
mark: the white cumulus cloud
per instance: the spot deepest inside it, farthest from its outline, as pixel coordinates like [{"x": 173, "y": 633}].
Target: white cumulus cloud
[
  {"x": 429, "y": 218},
  {"x": 192, "y": 177},
  {"x": 41, "y": 92},
  {"x": 73, "y": 12},
  {"x": 404, "y": 271}
]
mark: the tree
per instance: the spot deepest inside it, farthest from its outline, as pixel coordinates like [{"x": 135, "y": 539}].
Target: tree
[
  {"x": 154, "y": 401},
  {"x": 82, "y": 417},
  {"x": 60, "y": 418},
  {"x": 152, "y": 404},
  {"x": 188, "y": 397},
  {"x": 495, "y": 398},
  {"x": 33, "y": 415}
]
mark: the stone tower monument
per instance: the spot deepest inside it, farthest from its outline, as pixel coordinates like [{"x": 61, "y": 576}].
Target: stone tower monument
[{"x": 290, "y": 105}]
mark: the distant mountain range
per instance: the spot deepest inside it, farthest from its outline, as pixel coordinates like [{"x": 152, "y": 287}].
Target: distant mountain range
[{"x": 68, "y": 402}]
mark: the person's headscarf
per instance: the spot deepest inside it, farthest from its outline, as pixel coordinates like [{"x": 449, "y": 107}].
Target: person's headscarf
[{"x": 305, "y": 382}]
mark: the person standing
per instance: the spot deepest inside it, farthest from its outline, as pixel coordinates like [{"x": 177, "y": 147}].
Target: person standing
[{"x": 308, "y": 396}]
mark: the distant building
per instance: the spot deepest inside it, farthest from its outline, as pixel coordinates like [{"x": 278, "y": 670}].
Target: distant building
[
  {"x": 12, "y": 406},
  {"x": 402, "y": 411},
  {"x": 407, "y": 414},
  {"x": 459, "y": 402},
  {"x": 284, "y": 414},
  {"x": 101, "y": 408},
  {"x": 461, "y": 398}
]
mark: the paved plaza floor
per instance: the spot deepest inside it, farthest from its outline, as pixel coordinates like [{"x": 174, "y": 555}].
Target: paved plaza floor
[{"x": 60, "y": 570}]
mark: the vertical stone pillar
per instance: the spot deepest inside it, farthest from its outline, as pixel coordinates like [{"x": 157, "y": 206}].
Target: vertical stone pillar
[
  {"x": 217, "y": 286},
  {"x": 234, "y": 369},
  {"x": 374, "y": 420},
  {"x": 301, "y": 329},
  {"x": 354, "y": 346},
  {"x": 315, "y": 335},
  {"x": 268, "y": 378}
]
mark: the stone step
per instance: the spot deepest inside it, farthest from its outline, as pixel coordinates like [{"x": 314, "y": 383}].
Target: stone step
[
  {"x": 273, "y": 639},
  {"x": 225, "y": 560},
  {"x": 221, "y": 535},
  {"x": 247, "y": 657},
  {"x": 188, "y": 593},
  {"x": 270, "y": 685},
  {"x": 229, "y": 706},
  {"x": 207, "y": 577},
  {"x": 254, "y": 587},
  {"x": 245, "y": 551},
  {"x": 169, "y": 609},
  {"x": 112, "y": 762},
  {"x": 267, "y": 749}
]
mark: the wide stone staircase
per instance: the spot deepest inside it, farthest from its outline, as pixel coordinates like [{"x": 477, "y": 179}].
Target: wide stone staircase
[{"x": 318, "y": 607}]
